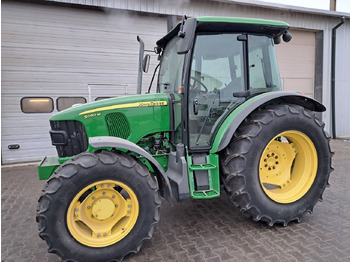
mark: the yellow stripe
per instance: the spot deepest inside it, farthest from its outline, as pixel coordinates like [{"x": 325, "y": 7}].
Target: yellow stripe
[{"x": 139, "y": 104}]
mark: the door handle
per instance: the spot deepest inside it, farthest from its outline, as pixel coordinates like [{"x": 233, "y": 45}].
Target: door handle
[{"x": 195, "y": 106}]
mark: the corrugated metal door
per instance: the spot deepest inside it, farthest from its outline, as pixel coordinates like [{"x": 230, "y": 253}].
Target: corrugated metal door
[
  {"x": 52, "y": 51},
  {"x": 296, "y": 61}
]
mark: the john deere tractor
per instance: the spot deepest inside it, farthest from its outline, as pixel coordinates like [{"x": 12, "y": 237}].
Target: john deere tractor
[{"x": 217, "y": 119}]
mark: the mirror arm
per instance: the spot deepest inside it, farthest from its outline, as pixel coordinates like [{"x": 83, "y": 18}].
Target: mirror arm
[{"x": 154, "y": 73}]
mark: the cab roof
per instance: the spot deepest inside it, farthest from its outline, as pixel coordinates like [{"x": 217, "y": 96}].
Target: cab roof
[{"x": 231, "y": 24}]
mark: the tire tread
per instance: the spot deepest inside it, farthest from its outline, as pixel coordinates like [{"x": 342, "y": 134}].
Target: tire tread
[
  {"x": 70, "y": 169},
  {"x": 234, "y": 181}
]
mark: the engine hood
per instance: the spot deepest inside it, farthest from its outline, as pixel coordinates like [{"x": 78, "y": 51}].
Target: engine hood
[
  {"x": 132, "y": 101},
  {"x": 129, "y": 117}
]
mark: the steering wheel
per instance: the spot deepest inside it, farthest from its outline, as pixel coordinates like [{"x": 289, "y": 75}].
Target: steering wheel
[{"x": 201, "y": 84}]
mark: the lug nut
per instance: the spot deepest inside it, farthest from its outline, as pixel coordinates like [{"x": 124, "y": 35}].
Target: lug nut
[
  {"x": 102, "y": 185},
  {"x": 116, "y": 205},
  {"x": 129, "y": 205},
  {"x": 77, "y": 209},
  {"x": 276, "y": 162},
  {"x": 104, "y": 193},
  {"x": 93, "y": 197},
  {"x": 274, "y": 167},
  {"x": 76, "y": 215},
  {"x": 109, "y": 186},
  {"x": 268, "y": 155},
  {"x": 88, "y": 207},
  {"x": 265, "y": 160},
  {"x": 98, "y": 234},
  {"x": 273, "y": 154},
  {"x": 265, "y": 165},
  {"x": 105, "y": 234},
  {"x": 269, "y": 168},
  {"x": 276, "y": 157},
  {"x": 92, "y": 216},
  {"x": 128, "y": 211},
  {"x": 113, "y": 196}
]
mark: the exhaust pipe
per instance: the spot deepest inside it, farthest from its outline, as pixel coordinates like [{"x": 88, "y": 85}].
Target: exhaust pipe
[{"x": 139, "y": 76}]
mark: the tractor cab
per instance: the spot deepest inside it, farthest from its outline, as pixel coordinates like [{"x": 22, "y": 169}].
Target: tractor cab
[{"x": 213, "y": 65}]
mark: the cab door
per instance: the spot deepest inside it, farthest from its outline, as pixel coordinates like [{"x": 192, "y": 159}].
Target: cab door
[{"x": 217, "y": 71}]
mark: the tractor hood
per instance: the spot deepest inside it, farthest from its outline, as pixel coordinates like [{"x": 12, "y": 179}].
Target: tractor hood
[
  {"x": 129, "y": 117},
  {"x": 97, "y": 107}
]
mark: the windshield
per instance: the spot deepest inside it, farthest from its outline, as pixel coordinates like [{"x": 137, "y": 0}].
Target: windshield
[{"x": 170, "y": 73}]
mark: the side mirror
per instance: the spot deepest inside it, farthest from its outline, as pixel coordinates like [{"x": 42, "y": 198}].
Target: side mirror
[
  {"x": 145, "y": 63},
  {"x": 287, "y": 36}
]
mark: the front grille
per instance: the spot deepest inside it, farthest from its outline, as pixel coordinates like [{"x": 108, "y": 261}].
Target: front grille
[
  {"x": 118, "y": 125},
  {"x": 77, "y": 141}
]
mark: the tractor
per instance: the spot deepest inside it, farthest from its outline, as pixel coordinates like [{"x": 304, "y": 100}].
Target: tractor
[{"x": 217, "y": 119}]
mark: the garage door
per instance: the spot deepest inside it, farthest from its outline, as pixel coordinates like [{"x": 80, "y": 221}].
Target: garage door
[
  {"x": 296, "y": 61},
  {"x": 54, "y": 56}
]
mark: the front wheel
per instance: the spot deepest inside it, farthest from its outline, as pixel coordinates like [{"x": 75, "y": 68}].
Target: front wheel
[
  {"x": 277, "y": 165},
  {"x": 98, "y": 207}
]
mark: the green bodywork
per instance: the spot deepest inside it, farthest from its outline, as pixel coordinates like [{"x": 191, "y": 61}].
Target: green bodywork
[
  {"x": 144, "y": 118},
  {"x": 146, "y": 114},
  {"x": 230, "y": 118},
  {"x": 239, "y": 20},
  {"x": 47, "y": 166}
]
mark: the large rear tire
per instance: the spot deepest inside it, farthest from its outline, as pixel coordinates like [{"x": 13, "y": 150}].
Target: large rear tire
[
  {"x": 277, "y": 165},
  {"x": 98, "y": 207}
]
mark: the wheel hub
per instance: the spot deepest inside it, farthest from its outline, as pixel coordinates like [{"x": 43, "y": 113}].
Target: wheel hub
[{"x": 103, "y": 208}]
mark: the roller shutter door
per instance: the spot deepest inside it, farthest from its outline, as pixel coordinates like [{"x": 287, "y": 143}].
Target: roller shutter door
[
  {"x": 296, "y": 61},
  {"x": 54, "y": 51}
]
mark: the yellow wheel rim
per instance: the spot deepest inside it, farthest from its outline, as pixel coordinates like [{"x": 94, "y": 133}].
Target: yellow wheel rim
[
  {"x": 102, "y": 213},
  {"x": 288, "y": 167}
]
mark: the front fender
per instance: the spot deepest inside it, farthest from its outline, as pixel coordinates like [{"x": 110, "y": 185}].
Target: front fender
[
  {"x": 119, "y": 143},
  {"x": 233, "y": 121}
]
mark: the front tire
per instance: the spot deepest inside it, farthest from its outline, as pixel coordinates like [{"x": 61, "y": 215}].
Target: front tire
[
  {"x": 277, "y": 165},
  {"x": 98, "y": 207}
]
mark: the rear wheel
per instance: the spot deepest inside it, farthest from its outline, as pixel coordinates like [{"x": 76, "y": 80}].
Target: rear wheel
[
  {"x": 98, "y": 207},
  {"x": 277, "y": 165}
]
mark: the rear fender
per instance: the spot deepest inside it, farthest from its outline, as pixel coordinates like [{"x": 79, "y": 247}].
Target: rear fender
[
  {"x": 119, "y": 143},
  {"x": 233, "y": 121}
]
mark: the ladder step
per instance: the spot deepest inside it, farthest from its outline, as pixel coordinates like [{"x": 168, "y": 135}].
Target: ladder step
[
  {"x": 205, "y": 166},
  {"x": 204, "y": 176}
]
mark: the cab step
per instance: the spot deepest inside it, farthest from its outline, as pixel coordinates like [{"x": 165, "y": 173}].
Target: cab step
[{"x": 203, "y": 174}]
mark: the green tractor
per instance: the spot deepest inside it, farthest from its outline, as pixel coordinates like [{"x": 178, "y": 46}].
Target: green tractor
[{"x": 217, "y": 118}]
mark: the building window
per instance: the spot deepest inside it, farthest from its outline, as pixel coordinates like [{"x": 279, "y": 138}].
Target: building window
[
  {"x": 102, "y": 98},
  {"x": 37, "y": 105},
  {"x": 67, "y": 102}
]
